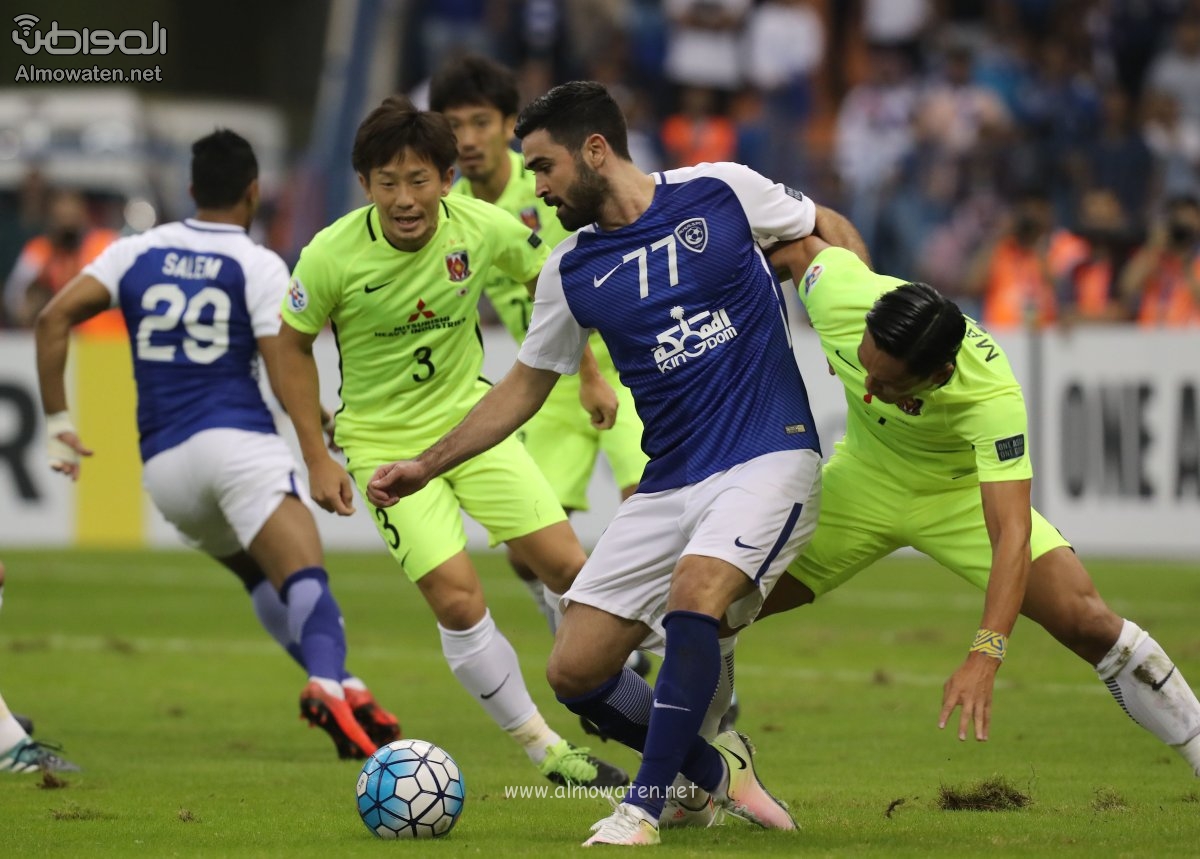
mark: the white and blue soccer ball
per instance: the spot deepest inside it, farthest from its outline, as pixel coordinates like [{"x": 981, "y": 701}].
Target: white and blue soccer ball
[{"x": 410, "y": 789}]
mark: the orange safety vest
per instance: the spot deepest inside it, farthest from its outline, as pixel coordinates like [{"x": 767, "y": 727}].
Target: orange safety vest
[
  {"x": 1017, "y": 288},
  {"x": 57, "y": 267},
  {"x": 1167, "y": 300}
]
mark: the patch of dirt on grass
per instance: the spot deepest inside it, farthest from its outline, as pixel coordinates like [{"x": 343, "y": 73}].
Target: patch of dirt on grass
[
  {"x": 993, "y": 794},
  {"x": 1107, "y": 799}
]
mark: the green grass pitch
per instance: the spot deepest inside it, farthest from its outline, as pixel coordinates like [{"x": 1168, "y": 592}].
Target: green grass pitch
[{"x": 153, "y": 672}]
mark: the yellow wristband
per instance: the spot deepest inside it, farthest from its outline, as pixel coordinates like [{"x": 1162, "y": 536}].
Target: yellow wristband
[{"x": 989, "y": 643}]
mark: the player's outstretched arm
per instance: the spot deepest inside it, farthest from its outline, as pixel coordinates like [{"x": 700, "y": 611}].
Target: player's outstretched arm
[
  {"x": 836, "y": 229},
  {"x": 498, "y": 415},
  {"x": 78, "y": 301},
  {"x": 1006, "y": 506},
  {"x": 293, "y": 374}
]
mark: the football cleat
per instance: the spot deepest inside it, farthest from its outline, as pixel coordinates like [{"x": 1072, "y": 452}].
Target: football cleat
[
  {"x": 30, "y": 756},
  {"x": 678, "y": 813},
  {"x": 334, "y": 716},
  {"x": 626, "y": 826},
  {"x": 381, "y": 726},
  {"x": 745, "y": 796},
  {"x": 566, "y": 764}
]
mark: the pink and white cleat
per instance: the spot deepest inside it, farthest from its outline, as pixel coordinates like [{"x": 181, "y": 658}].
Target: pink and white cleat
[{"x": 745, "y": 796}]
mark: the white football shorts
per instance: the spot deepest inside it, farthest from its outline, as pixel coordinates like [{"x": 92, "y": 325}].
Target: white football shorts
[
  {"x": 757, "y": 516},
  {"x": 219, "y": 487}
]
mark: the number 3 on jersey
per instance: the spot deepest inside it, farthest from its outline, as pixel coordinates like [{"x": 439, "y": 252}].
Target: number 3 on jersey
[
  {"x": 422, "y": 356},
  {"x": 166, "y": 306}
]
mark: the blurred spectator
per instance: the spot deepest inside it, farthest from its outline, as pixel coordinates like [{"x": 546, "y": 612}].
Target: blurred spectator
[
  {"x": 896, "y": 24},
  {"x": 1087, "y": 282},
  {"x": 452, "y": 27},
  {"x": 1118, "y": 157},
  {"x": 1177, "y": 70},
  {"x": 704, "y": 42},
  {"x": 874, "y": 133},
  {"x": 1126, "y": 35},
  {"x": 784, "y": 48},
  {"x": 49, "y": 261},
  {"x": 1163, "y": 279},
  {"x": 954, "y": 110},
  {"x": 698, "y": 132},
  {"x": 1016, "y": 274},
  {"x": 1175, "y": 142}
]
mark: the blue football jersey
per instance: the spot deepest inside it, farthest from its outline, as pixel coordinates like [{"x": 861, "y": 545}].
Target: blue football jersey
[
  {"x": 694, "y": 318},
  {"x": 196, "y": 296}
]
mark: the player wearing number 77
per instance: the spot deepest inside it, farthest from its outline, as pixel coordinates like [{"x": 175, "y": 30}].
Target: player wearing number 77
[
  {"x": 200, "y": 300},
  {"x": 400, "y": 280}
]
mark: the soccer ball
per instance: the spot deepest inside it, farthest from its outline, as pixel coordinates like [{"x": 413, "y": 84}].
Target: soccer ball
[{"x": 410, "y": 789}]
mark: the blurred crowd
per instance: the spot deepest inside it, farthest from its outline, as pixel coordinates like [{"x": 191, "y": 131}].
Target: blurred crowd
[{"x": 1037, "y": 160}]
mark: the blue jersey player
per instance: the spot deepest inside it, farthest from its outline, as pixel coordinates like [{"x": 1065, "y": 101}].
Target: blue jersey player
[
  {"x": 668, "y": 268},
  {"x": 201, "y": 301}
]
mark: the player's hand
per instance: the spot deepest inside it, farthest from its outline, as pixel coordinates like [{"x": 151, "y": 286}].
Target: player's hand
[
  {"x": 63, "y": 445},
  {"x": 329, "y": 485},
  {"x": 396, "y": 480},
  {"x": 599, "y": 400},
  {"x": 970, "y": 687}
]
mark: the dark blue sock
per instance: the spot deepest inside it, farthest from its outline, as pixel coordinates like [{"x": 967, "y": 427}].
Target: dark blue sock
[
  {"x": 686, "y": 683},
  {"x": 315, "y": 621},
  {"x": 621, "y": 707}
]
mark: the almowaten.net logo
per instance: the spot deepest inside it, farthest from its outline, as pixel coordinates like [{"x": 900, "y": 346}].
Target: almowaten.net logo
[{"x": 32, "y": 37}]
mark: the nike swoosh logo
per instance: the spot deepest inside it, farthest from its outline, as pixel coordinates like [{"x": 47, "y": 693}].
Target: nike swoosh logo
[
  {"x": 497, "y": 689},
  {"x": 737, "y": 541},
  {"x": 741, "y": 761},
  {"x": 660, "y": 706},
  {"x": 1158, "y": 686},
  {"x": 599, "y": 281},
  {"x": 370, "y": 289},
  {"x": 839, "y": 354}
]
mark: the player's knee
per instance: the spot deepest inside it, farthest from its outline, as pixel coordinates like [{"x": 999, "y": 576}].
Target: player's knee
[
  {"x": 567, "y": 676},
  {"x": 559, "y": 572}
]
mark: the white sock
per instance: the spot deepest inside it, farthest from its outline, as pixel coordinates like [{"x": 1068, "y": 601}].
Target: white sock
[
  {"x": 331, "y": 687},
  {"x": 355, "y": 684},
  {"x": 723, "y": 696},
  {"x": 11, "y": 732},
  {"x": 486, "y": 665},
  {"x": 1148, "y": 686},
  {"x": 535, "y": 736},
  {"x": 538, "y": 591}
]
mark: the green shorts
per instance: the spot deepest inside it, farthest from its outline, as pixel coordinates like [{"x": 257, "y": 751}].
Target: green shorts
[
  {"x": 564, "y": 444},
  {"x": 866, "y": 516},
  {"x": 501, "y": 489}
]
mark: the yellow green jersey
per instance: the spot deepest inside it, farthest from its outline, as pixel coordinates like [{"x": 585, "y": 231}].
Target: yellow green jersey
[
  {"x": 973, "y": 428},
  {"x": 407, "y": 323},
  {"x": 511, "y": 298}
]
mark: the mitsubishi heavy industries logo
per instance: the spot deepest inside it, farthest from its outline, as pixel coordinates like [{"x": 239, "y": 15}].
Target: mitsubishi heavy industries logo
[
  {"x": 422, "y": 318},
  {"x": 691, "y": 337}
]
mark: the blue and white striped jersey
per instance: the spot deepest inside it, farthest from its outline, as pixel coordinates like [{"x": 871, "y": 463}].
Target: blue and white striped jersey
[{"x": 694, "y": 317}]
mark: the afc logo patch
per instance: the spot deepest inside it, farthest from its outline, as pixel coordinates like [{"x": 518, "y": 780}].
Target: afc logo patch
[
  {"x": 693, "y": 233},
  {"x": 529, "y": 217},
  {"x": 811, "y": 277},
  {"x": 1010, "y": 448},
  {"x": 458, "y": 266},
  {"x": 297, "y": 296}
]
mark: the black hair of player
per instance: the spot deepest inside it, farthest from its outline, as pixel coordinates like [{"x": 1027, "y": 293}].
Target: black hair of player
[
  {"x": 223, "y": 166},
  {"x": 574, "y": 111},
  {"x": 919, "y": 326},
  {"x": 397, "y": 126},
  {"x": 474, "y": 80}
]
